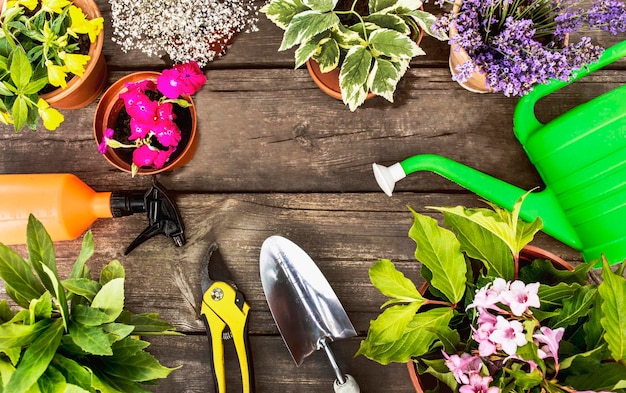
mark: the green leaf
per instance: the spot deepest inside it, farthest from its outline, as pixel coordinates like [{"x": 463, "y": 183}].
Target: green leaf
[
  {"x": 41, "y": 308},
  {"x": 320, "y": 5},
  {"x": 145, "y": 324},
  {"x": 16, "y": 273},
  {"x": 91, "y": 339},
  {"x": 19, "y": 112},
  {"x": 394, "y": 44},
  {"x": 74, "y": 372},
  {"x": 328, "y": 56},
  {"x": 613, "y": 293},
  {"x": 575, "y": 307},
  {"x": 347, "y": 38},
  {"x": 389, "y": 21},
  {"x": 89, "y": 316},
  {"x": 353, "y": 76},
  {"x": 52, "y": 381},
  {"x": 425, "y": 20},
  {"x": 526, "y": 380},
  {"x": 82, "y": 287},
  {"x": 593, "y": 327},
  {"x": 393, "y": 284},
  {"x": 415, "y": 341},
  {"x": 482, "y": 244},
  {"x": 36, "y": 359},
  {"x": 601, "y": 378},
  {"x": 35, "y": 86},
  {"x": 59, "y": 292},
  {"x": 110, "y": 298},
  {"x": 305, "y": 25},
  {"x": 309, "y": 48},
  {"x": 391, "y": 323},
  {"x": 379, "y": 5},
  {"x": 546, "y": 272},
  {"x": 20, "y": 68},
  {"x": 15, "y": 335},
  {"x": 6, "y": 314},
  {"x": 80, "y": 270},
  {"x": 119, "y": 330},
  {"x": 282, "y": 11},
  {"x": 438, "y": 369},
  {"x": 40, "y": 251},
  {"x": 138, "y": 367},
  {"x": 383, "y": 79},
  {"x": 439, "y": 250},
  {"x": 111, "y": 271},
  {"x": 4, "y": 90}
]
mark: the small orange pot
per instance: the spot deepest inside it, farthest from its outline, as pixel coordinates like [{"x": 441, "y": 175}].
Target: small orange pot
[
  {"x": 328, "y": 82},
  {"x": 527, "y": 255},
  {"x": 82, "y": 91},
  {"x": 109, "y": 108}
]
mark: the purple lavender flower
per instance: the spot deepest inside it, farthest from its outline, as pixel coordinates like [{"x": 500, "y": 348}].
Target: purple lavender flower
[{"x": 518, "y": 48}]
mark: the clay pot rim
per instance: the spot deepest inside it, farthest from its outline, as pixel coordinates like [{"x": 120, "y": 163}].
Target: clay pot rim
[
  {"x": 92, "y": 10},
  {"x": 533, "y": 252},
  {"x": 108, "y": 101}
]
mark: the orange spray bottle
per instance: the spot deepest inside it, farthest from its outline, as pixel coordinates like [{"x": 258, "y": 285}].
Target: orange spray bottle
[{"x": 67, "y": 207}]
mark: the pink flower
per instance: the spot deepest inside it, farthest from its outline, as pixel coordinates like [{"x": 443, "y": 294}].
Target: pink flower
[
  {"x": 508, "y": 334},
  {"x": 479, "y": 384},
  {"x": 144, "y": 156},
  {"x": 488, "y": 296},
  {"x": 103, "y": 146},
  {"x": 486, "y": 326},
  {"x": 462, "y": 366},
  {"x": 551, "y": 339},
  {"x": 167, "y": 133},
  {"x": 138, "y": 129},
  {"x": 165, "y": 111},
  {"x": 185, "y": 79},
  {"x": 163, "y": 157},
  {"x": 141, "y": 107},
  {"x": 141, "y": 86},
  {"x": 520, "y": 296}
]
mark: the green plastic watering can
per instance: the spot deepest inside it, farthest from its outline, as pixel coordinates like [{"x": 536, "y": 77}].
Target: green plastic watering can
[{"x": 581, "y": 157}]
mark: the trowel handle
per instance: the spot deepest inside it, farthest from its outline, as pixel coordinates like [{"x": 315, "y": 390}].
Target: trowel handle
[
  {"x": 349, "y": 386},
  {"x": 524, "y": 120}
]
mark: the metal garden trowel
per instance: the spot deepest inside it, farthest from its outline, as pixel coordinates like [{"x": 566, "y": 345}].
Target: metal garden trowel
[{"x": 303, "y": 304}]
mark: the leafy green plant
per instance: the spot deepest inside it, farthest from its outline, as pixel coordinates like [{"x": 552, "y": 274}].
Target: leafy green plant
[
  {"x": 40, "y": 47},
  {"x": 373, "y": 48},
  {"x": 486, "y": 323},
  {"x": 74, "y": 334}
]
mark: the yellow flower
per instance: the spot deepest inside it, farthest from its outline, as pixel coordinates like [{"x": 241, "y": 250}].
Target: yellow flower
[
  {"x": 55, "y": 6},
  {"x": 5, "y": 117},
  {"x": 30, "y": 4},
  {"x": 51, "y": 117},
  {"x": 56, "y": 74},
  {"x": 80, "y": 24},
  {"x": 75, "y": 63}
]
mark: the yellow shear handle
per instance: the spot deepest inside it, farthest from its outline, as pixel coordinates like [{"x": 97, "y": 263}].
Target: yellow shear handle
[{"x": 219, "y": 312}]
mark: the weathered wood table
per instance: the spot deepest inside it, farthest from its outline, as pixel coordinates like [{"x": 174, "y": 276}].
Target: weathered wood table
[{"x": 278, "y": 156}]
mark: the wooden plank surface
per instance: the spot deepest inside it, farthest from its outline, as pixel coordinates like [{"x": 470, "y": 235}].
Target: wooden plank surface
[{"x": 278, "y": 156}]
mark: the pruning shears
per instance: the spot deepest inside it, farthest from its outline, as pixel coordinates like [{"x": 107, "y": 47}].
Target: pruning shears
[{"x": 225, "y": 314}]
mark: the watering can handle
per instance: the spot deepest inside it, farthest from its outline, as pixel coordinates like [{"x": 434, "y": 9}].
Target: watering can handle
[{"x": 525, "y": 122}]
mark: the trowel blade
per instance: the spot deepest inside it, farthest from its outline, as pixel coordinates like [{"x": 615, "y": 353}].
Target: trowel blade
[{"x": 303, "y": 304}]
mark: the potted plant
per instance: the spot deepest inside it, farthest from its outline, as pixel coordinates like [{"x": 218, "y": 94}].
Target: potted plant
[
  {"x": 209, "y": 27},
  {"x": 50, "y": 56},
  {"x": 152, "y": 118},
  {"x": 488, "y": 322},
  {"x": 73, "y": 334},
  {"x": 370, "y": 43},
  {"x": 509, "y": 47}
]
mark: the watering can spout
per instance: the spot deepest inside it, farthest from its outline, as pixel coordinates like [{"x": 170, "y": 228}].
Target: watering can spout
[{"x": 542, "y": 204}]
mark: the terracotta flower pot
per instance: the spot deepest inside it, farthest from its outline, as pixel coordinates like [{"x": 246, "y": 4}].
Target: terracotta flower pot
[
  {"x": 528, "y": 254},
  {"x": 328, "y": 82},
  {"x": 106, "y": 115},
  {"x": 477, "y": 83},
  {"x": 82, "y": 91}
]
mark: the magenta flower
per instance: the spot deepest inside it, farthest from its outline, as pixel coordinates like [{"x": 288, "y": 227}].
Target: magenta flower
[
  {"x": 163, "y": 157},
  {"x": 183, "y": 79},
  {"x": 138, "y": 130},
  {"x": 103, "y": 146},
  {"x": 144, "y": 156},
  {"x": 167, "y": 133},
  {"x": 479, "y": 384},
  {"x": 141, "y": 86},
  {"x": 165, "y": 111},
  {"x": 142, "y": 108},
  {"x": 520, "y": 296},
  {"x": 508, "y": 334}
]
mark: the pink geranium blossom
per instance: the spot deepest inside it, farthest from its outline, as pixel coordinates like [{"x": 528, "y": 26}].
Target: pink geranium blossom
[
  {"x": 183, "y": 79},
  {"x": 103, "y": 146}
]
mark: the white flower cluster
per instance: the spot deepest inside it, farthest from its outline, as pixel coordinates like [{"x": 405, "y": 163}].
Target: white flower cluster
[{"x": 184, "y": 30}]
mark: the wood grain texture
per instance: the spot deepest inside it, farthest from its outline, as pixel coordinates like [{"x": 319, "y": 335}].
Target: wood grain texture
[{"x": 278, "y": 156}]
